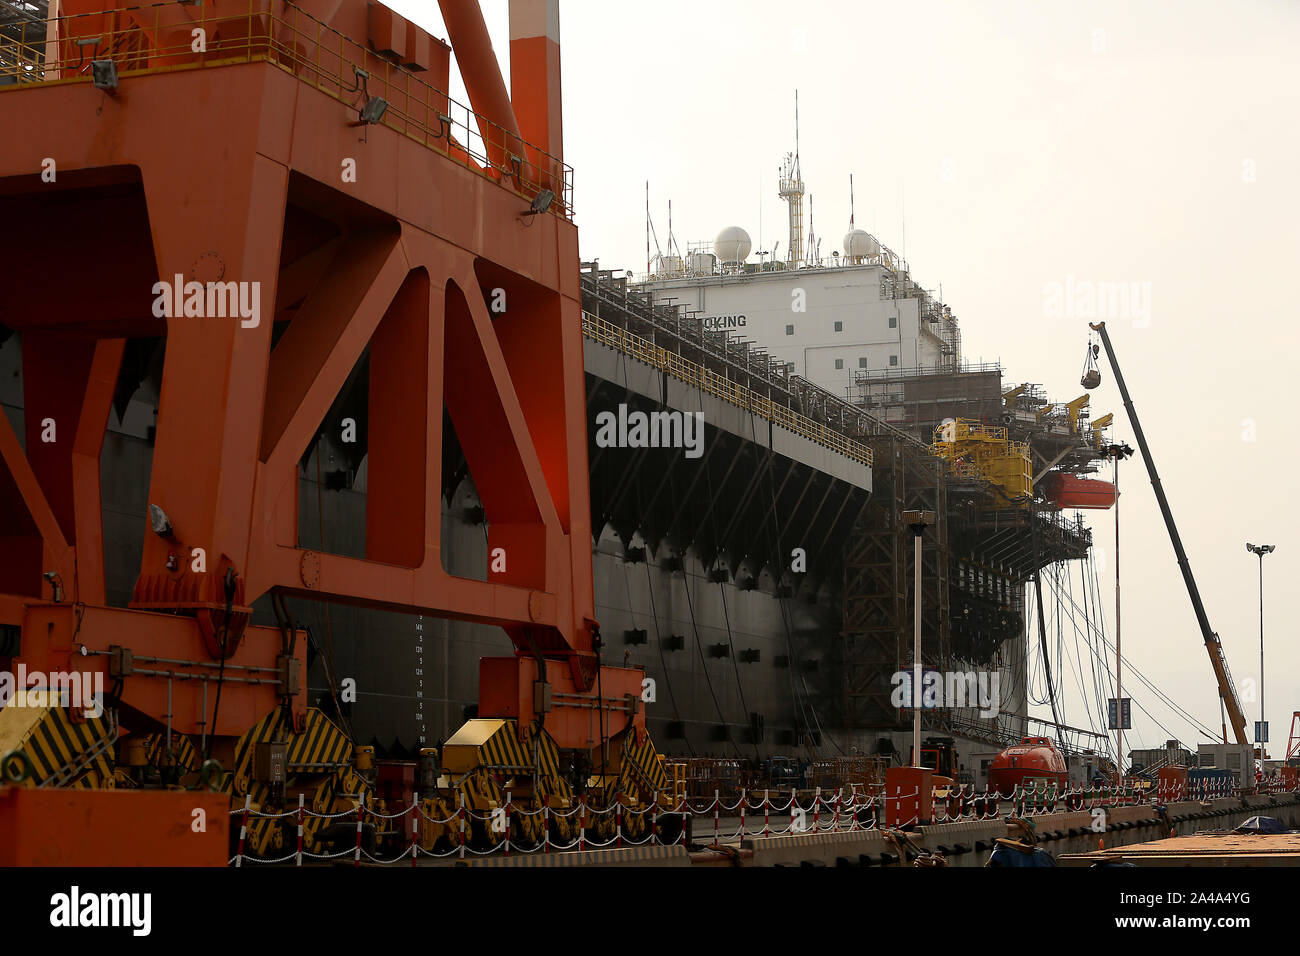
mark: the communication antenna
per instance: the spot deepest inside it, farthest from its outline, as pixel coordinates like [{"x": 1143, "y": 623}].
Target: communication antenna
[
  {"x": 791, "y": 190},
  {"x": 649, "y": 232},
  {"x": 902, "y": 215},
  {"x": 850, "y": 202},
  {"x": 810, "y": 256},
  {"x": 670, "y": 227}
]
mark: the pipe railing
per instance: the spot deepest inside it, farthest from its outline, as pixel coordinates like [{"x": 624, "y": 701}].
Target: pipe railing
[
  {"x": 165, "y": 37},
  {"x": 714, "y": 384}
]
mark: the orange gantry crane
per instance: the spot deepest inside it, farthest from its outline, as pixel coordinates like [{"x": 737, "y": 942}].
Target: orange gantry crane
[{"x": 273, "y": 190}]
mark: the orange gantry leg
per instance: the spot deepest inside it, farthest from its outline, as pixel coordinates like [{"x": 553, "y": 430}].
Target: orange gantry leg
[{"x": 236, "y": 205}]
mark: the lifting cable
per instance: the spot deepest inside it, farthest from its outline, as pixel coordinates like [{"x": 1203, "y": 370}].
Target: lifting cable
[
  {"x": 662, "y": 662},
  {"x": 1091, "y": 376},
  {"x": 654, "y": 616},
  {"x": 1180, "y": 712},
  {"x": 699, "y": 650},
  {"x": 686, "y": 586},
  {"x": 1042, "y": 624},
  {"x": 722, "y": 591},
  {"x": 803, "y": 705},
  {"x": 229, "y": 585},
  {"x": 1166, "y": 699}
]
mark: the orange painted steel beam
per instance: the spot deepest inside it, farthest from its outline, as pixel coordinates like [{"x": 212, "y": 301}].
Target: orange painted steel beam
[
  {"x": 64, "y": 629},
  {"x": 481, "y": 72},
  {"x": 535, "y": 83},
  {"x": 144, "y": 703},
  {"x": 87, "y": 448},
  {"x": 397, "y": 263},
  {"x": 57, "y": 827},
  {"x": 32, "y": 541}
]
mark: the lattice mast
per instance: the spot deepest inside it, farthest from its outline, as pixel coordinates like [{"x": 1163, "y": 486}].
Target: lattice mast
[{"x": 790, "y": 189}]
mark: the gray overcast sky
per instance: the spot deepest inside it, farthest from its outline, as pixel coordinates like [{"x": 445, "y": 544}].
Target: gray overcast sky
[{"x": 1029, "y": 143}]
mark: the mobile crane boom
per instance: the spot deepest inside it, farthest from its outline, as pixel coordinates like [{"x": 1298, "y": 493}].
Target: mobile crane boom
[{"x": 1227, "y": 692}]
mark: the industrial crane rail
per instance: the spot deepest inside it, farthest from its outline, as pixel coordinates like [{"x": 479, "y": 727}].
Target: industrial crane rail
[{"x": 154, "y": 38}]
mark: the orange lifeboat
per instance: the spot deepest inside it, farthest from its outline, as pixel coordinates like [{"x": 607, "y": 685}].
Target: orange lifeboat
[
  {"x": 1032, "y": 760},
  {"x": 1071, "y": 491}
]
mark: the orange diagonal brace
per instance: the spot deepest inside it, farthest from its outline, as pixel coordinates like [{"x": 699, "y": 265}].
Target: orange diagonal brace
[
  {"x": 313, "y": 358},
  {"x": 482, "y": 75},
  {"x": 55, "y": 546},
  {"x": 85, "y": 469}
]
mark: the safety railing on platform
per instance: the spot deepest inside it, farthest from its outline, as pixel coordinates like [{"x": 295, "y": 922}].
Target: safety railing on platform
[
  {"x": 731, "y": 392},
  {"x": 752, "y": 814},
  {"x": 162, "y": 37}
]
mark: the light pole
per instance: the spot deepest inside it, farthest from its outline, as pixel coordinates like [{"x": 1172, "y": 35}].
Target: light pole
[
  {"x": 1260, "y": 550},
  {"x": 1118, "y": 453},
  {"x": 918, "y": 521}
]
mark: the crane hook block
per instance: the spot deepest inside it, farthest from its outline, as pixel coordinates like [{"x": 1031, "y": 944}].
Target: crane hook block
[{"x": 1091, "y": 374}]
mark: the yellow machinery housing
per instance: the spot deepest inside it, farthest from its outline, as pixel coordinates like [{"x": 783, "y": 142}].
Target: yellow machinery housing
[
  {"x": 489, "y": 760},
  {"x": 985, "y": 452}
]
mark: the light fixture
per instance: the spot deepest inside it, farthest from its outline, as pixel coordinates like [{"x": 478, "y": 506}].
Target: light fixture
[
  {"x": 374, "y": 110},
  {"x": 1119, "y": 452},
  {"x": 103, "y": 73},
  {"x": 158, "y": 520},
  {"x": 541, "y": 202}
]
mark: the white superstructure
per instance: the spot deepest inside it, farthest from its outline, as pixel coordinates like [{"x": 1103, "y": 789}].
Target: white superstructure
[{"x": 860, "y": 312}]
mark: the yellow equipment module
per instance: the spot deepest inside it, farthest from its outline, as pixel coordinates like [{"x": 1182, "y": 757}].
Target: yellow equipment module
[{"x": 987, "y": 453}]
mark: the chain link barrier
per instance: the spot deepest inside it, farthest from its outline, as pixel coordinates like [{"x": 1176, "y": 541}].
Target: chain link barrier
[{"x": 854, "y": 808}]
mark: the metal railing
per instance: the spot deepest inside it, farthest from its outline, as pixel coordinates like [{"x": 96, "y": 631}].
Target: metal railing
[
  {"x": 163, "y": 37},
  {"x": 708, "y": 381}
]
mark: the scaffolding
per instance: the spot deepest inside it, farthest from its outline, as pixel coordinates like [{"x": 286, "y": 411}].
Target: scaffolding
[
  {"x": 879, "y": 566},
  {"x": 967, "y": 452}
]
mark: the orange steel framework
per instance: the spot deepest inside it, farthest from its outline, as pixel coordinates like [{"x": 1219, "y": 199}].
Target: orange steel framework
[{"x": 229, "y": 164}]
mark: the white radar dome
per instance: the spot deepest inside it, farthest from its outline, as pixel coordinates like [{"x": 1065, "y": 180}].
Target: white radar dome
[
  {"x": 732, "y": 244},
  {"x": 859, "y": 243}
]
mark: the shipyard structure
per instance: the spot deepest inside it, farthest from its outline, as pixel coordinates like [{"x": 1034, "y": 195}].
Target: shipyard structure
[
  {"x": 855, "y": 343},
  {"x": 763, "y": 584},
  {"x": 424, "y": 493}
]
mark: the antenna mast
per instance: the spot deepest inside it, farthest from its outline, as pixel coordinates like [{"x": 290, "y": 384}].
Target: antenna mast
[
  {"x": 791, "y": 190},
  {"x": 811, "y": 256}
]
